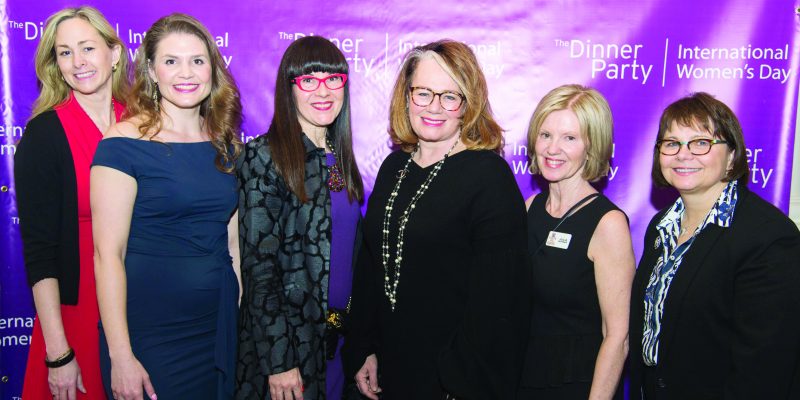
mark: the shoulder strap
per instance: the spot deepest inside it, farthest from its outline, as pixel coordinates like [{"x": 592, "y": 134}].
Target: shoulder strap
[{"x": 569, "y": 213}]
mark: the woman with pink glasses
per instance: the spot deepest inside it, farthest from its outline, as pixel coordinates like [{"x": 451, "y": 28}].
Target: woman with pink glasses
[{"x": 300, "y": 192}]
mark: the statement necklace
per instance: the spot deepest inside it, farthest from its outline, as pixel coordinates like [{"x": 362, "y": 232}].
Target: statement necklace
[
  {"x": 335, "y": 178},
  {"x": 390, "y": 283}
]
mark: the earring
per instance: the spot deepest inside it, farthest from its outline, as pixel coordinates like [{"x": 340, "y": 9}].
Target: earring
[
  {"x": 155, "y": 95},
  {"x": 114, "y": 67}
]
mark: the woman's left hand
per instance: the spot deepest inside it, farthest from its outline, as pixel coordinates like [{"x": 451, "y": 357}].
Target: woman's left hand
[
  {"x": 63, "y": 381},
  {"x": 367, "y": 378},
  {"x": 286, "y": 384}
]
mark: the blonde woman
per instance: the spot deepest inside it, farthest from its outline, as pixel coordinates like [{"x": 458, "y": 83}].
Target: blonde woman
[
  {"x": 581, "y": 254},
  {"x": 83, "y": 73}
]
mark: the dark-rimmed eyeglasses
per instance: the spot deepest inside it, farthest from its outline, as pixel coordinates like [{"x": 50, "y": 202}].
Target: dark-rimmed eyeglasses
[
  {"x": 308, "y": 83},
  {"x": 423, "y": 97},
  {"x": 698, "y": 147}
]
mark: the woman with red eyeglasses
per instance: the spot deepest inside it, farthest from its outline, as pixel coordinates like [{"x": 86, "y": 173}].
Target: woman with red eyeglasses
[{"x": 299, "y": 212}]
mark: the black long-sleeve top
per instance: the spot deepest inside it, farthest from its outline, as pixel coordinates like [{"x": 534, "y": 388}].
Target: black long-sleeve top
[
  {"x": 47, "y": 205},
  {"x": 463, "y": 300}
]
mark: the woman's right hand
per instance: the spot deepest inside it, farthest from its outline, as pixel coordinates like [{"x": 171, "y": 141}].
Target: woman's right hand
[
  {"x": 367, "y": 378},
  {"x": 128, "y": 378},
  {"x": 286, "y": 384},
  {"x": 63, "y": 381}
]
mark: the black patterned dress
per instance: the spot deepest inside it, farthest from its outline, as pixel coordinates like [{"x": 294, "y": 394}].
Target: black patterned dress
[{"x": 285, "y": 260}]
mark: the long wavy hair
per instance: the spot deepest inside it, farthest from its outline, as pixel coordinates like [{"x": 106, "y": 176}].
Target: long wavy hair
[
  {"x": 305, "y": 56},
  {"x": 479, "y": 130},
  {"x": 53, "y": 90},
  {"x": 221, "y": 110}
]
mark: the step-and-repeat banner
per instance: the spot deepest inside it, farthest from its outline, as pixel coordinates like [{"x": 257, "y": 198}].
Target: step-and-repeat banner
[{"x": 641, "y": 55}]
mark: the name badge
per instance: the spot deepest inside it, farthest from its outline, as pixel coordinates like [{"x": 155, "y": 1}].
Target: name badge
[{"x": 558, "y": 240}]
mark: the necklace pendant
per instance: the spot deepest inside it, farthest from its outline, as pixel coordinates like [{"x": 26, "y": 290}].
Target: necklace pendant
[
  {"x": 401, "y": 173},
  {"x": 335, "y": 178}
]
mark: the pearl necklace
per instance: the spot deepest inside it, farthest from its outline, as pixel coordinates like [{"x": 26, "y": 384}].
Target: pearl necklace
[{"x": 390, "y": 285}]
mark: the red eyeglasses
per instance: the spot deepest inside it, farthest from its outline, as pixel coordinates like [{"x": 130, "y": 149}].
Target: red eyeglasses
[{"x": 308, "y": 83}]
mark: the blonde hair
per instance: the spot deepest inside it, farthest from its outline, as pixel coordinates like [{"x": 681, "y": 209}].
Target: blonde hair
[
  {"x": 53, "y": 89},
  {"x": 221, "y": 110},
  {"x": 596, "y": 124},
  {"x": 479, "y": 130}
]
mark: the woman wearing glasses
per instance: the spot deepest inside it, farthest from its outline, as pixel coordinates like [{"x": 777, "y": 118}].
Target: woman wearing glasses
[
  {"x": 715, "y": 310},
  {"x": 299, "y": 211},
  {"x": 583, "y": 261},
  {"x": 440, "y": 304}
]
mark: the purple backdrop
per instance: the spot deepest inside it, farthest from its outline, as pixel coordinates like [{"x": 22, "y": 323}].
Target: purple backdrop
[{"x": 641, "y": 55}]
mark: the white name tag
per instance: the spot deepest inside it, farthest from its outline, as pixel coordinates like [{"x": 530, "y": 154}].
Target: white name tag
[{"x": 558, "y": 240}]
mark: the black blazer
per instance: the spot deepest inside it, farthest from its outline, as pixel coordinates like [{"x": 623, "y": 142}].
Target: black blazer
[{"x": 731, "y": 322}]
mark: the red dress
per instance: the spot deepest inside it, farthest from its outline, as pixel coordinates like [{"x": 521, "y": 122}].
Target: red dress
[{"x": 80, "y": 321}]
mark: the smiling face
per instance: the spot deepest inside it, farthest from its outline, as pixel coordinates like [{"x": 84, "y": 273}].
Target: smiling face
[
  {"x": 560, "y": 147},
  {"x": 433, "y": 123},
  {"x": 318, "y": 108},
  {"x": 83, "y": 57},
  {"x": 182, "y": 68},
  {"x": 692, "y": 174}
]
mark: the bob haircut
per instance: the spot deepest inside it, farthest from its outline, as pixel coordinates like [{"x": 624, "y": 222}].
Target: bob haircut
[
  {"x": 53, "y": 89},
  {"x": 221, "y": 110},
  {"x": 304, "y": 56},
  {"x": 596, "y": 124},
  {"x": 479, "y": 130},
  {"x": 701, "y": 111}
]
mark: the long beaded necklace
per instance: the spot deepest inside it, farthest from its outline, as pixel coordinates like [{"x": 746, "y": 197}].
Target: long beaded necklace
[
  {"x": 335, "y": 178},
  {"x": 390, "y": 283}
]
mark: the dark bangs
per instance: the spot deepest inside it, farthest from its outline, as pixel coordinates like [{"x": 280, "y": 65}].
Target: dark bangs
[{"x": 315, "y": 54}]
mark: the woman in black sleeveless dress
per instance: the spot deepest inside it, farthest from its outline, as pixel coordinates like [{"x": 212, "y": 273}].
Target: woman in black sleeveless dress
[{"x": 580, "y": 245}]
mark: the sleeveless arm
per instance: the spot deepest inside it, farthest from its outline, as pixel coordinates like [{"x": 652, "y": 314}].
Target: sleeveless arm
[{"x": 614, "y": 266}]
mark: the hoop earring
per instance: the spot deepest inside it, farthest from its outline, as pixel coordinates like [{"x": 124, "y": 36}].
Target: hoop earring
[{"x": 155, "y": 96}]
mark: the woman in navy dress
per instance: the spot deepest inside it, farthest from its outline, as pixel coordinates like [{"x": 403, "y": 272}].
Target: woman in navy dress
[
  {"x": 163, "y": 200},
  {"x": 299, "y": 198}
]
